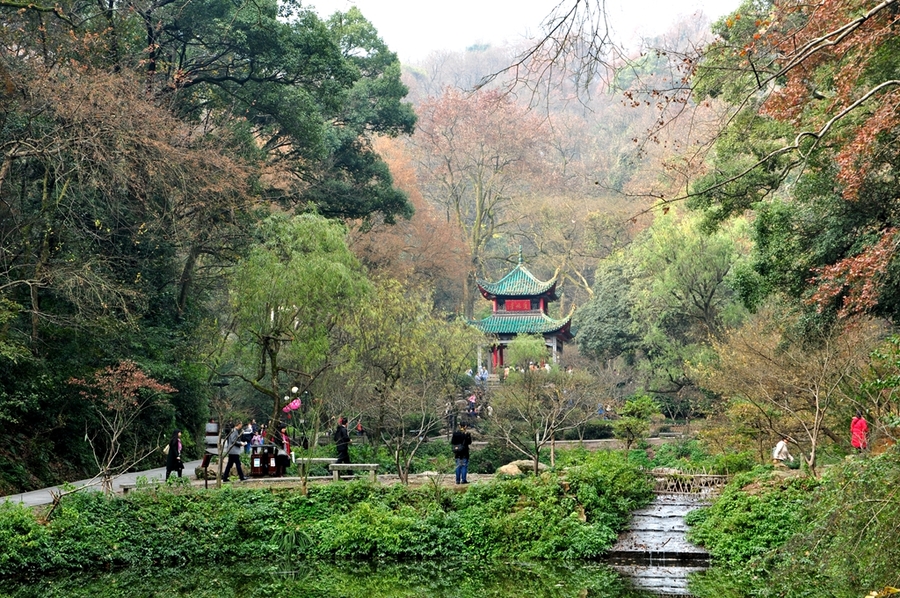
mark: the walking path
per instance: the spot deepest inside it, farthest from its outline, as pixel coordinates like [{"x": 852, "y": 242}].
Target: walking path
[{"x": 43, "y": 497}]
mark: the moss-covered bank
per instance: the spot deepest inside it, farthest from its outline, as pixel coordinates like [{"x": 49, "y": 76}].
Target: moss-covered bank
[{"x": 571, "y": 513}]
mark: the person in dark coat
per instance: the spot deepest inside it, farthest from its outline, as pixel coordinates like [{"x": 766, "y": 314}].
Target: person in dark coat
[
  {"x": 173, "y": 458},
  {"x": 460, "y": 442},
  {"x": 342, "y": 441},
  {"x": 282, "y": 450}
]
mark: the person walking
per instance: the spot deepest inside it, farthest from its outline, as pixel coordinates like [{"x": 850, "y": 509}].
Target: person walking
[
  {"x": 173, "y": 457},
  {"x": 234, "y": 446},
  {"x": 282, "y": 451},
  {"x": 859, "y": 431},
  {"x": 342, "y": 441},
  {"x": 460, "y": 442},
  {"x": 780, "y": 453},
  {"x": 247, "y": 435}
]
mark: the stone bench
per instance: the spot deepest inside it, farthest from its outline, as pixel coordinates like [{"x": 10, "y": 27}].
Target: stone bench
[{"x": 337, "y": 468}]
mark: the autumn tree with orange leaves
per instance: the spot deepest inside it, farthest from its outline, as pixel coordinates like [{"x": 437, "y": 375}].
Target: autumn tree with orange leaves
[
  {"x": 479, "y": 153},
  {"x": 425, "y": 250},
  {"x": 811, "y": 146}
]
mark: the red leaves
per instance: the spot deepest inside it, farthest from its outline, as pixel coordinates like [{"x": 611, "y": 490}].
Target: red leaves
[
  {"x": 119, "y": 387},
  {"x": 855, "y": 158},
  {"x": 856, "y": 278}
]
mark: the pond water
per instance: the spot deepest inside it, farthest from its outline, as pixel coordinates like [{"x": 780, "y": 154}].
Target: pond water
[{"x": 444, "y": 579}]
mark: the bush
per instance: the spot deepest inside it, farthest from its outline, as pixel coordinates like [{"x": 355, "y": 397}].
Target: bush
[
  {"x": 491, "y": 457},
  {"x": 595, "y": 429},
  {"x": 572, "y": 515}
]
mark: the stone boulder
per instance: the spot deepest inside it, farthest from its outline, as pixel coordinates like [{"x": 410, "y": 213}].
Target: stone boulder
[
  {"x": 528, "y": 465},
  {"x": 521, "y": 466},
  {"x": 510, "y": 469},
  {"x": 211, "y": 473}
]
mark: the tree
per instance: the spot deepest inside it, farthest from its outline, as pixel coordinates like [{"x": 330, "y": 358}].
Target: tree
[
  {"x": 120, "y": 395},
  {"x": 424, "y": 251},
  {"x": 402, "y": 362},
  {"x": 660, "y": 302},
  {"x": 813, "y": 93},
  {"x": 792, "y": 376},
  {"x": 288, "y": 296},
  {"x": 533, "y": 406},
  {"x": 634, "y": 421},
  {"x": 142, "y": 143},
  {"x": 477, "y": 153},
  {"x": 604, "y": 323}
]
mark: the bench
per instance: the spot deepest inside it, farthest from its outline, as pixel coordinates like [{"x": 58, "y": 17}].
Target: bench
[
  {"x": 337, "y": 468},
  {"x": 303, "y": 463}
]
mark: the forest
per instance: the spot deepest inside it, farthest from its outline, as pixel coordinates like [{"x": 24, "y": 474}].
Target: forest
[{"x": 212, "y": 209}]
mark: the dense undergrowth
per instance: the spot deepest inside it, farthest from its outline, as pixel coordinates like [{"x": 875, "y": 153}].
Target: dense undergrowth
[
  {"x": 573, "y": 512},
  {"x": 775, "y": 535}
]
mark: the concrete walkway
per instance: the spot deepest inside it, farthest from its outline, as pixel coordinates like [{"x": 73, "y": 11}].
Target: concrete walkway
[{"x": 43, "y": 497}]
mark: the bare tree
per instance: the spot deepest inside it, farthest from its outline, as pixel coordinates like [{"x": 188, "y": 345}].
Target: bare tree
[
  {"x": 535, "y": 405},
  {"x": 119, "y": 395},
  {"x": 477, "y": 153},
  {"x": 794, "y": 382}
]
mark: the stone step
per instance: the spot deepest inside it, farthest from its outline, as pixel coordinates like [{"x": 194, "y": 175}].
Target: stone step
[
  {"x": 659, "y": 580},
  {"x": 652, "y": 524}
]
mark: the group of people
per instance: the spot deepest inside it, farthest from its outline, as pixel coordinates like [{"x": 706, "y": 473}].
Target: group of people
[
  {"x": 237, "y": 442},
  {"x": 239, "y": 439},
  {"x": 859, "y": 440}
]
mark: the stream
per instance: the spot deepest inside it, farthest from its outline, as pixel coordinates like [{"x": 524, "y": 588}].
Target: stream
[{"x": 654, "y": 553}]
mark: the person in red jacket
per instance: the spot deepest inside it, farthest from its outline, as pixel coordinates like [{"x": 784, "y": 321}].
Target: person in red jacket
[{"x": 859, "y": 430}]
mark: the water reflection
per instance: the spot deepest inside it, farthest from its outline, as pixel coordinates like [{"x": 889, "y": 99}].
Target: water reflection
[{"x": 449, "y": 578}]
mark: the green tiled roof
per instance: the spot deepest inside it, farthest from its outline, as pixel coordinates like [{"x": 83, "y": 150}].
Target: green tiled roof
[
  {"x": 519, "y": 323},
  {"x": 518, "y": 283}
]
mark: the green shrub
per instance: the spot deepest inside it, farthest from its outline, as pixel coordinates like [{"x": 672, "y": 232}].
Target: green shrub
[
  {"x": 595, "y": 429},
  {"x": 493, "y": 456},
  {"x": 570, "y": 514}
]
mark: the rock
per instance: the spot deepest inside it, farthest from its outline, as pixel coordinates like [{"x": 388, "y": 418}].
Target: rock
[
  {"x": 510, "y": 469},
  {"x": 528, "y": 465},
  {"x": 210, "y": 473}
]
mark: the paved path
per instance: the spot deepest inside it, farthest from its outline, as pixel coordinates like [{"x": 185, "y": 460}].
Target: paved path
[{"x": 43, "y": 497}]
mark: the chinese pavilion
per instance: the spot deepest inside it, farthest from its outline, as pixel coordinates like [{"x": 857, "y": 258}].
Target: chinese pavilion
[{"x": 520, "y": 307}]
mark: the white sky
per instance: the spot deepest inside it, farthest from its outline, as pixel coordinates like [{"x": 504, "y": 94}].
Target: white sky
[{"x": 415, "y": 28}]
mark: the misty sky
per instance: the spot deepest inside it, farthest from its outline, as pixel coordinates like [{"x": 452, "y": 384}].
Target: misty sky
[{"x": 414, "y": 28}]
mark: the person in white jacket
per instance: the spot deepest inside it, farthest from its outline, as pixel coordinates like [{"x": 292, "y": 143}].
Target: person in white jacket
[{"x": 780, "y": 453}]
